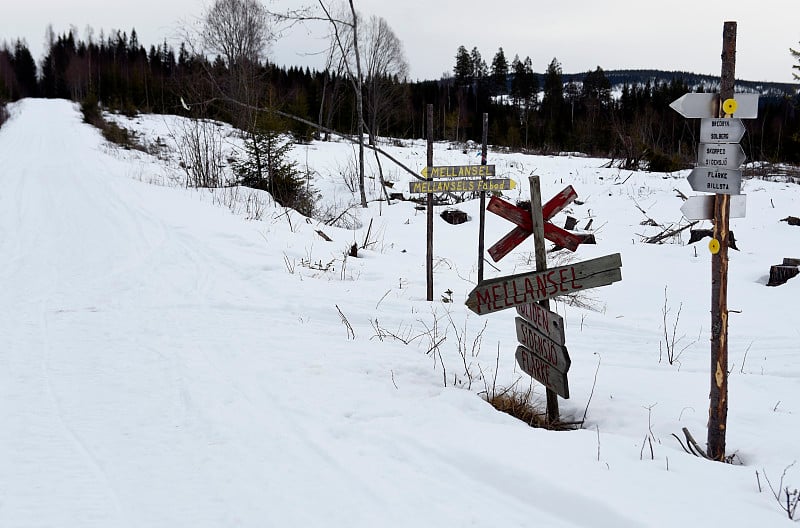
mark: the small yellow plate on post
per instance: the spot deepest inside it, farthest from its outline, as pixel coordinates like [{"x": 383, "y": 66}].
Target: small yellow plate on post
[
  {"x": 713, "y": 246},
  {"x": 729, "y": 106}
]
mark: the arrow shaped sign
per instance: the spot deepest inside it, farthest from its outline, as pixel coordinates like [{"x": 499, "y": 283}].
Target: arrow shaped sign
[
  {"x": 719, "y": 181},
  {"x": 723, "y": 155},
  {"x": 458, "y": 171},
  {"x": 693, "y": 105},
  {"x": 721, "y": 130},
  {"x": 702, "y": 207},
  {"x": 507, "y": 292}
]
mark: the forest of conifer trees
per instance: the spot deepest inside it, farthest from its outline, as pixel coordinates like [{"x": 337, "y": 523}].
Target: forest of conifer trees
[{"x": 542, "y": 113}]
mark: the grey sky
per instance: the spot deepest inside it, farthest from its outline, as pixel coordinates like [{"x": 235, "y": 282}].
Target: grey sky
[{"x": 581, "y": 34}]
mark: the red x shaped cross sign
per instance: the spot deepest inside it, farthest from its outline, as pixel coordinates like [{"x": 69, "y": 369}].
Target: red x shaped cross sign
[{"x": 524, "y": 229}]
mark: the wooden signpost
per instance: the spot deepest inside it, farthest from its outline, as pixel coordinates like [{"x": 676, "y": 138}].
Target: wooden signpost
[
  {"x": 540, "y": 332},
  {"x": 719, "y": 174}
]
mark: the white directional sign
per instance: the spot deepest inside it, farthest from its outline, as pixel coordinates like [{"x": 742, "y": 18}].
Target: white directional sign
[
  {"x": 702, "y": 207},
  {"x": 695, "y": 105},
  {"x": 721, "y": 130},
  {"x": 713, "y": 180},
  {"x": 722, "y": 155}
]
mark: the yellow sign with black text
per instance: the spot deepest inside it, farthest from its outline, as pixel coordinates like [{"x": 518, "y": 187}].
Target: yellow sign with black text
[
  {"x": 454, "y": 186},
  {"x": 459, "y": 171}
]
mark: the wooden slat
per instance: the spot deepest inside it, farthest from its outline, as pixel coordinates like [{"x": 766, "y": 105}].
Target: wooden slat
[
  {"x": 506, "y": 292},
  {"x": 542, "y": 372},
  {"x": 510, "y": 212},
  {"x": 558, "y": 203},
  {"x": 549, "y": 323},
  {"x": 542, "y": 346},
  {"x": 560, "y": 237},
  {"x": 503, "y": 247}
]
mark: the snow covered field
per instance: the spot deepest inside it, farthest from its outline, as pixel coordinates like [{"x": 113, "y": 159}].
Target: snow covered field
[{"x": 166, "y": 362}]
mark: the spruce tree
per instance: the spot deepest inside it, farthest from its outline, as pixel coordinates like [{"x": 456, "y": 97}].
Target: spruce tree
[
  {"x": 499, "y": 72},
  {"x": 463, "y": 68},
  {"x": 266, "y": 166}
]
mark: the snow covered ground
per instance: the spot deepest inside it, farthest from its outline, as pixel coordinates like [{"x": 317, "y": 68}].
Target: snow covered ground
[{"x": 166, "y": 362}]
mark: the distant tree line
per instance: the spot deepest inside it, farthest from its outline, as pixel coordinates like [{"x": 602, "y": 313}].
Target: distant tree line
[{"x": 544, "y": 112}]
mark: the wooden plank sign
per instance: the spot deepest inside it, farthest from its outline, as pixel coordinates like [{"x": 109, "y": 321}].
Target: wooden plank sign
[
  {"x": 549, "y": 323},
  {"x": 458, "y": 171},
  {"x": 470, "y": 185},
  {"x": 542, "y": 372},
  {"x": 507, "y": 292},
  {"x": 542, "y": 346}
]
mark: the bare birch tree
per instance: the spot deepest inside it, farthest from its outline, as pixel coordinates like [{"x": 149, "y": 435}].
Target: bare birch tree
[
  {"x": 385, "y": 66},
  {"x": 239, "y": 32}
]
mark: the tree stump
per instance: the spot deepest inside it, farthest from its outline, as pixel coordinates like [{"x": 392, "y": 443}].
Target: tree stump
[
  {"x": 696, "y": 235},
  {"x": 791, "y": 220},
  {"x": 780, "y": 274},
  {"x": 571, "y": 222},
  {"x": 454, "y": 216}
]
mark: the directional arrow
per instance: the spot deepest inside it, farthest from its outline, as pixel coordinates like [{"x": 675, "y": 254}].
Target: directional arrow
[
  {"x": 542, "y": 346},
  {"x": 722, "y": 155},
  {"x": 713, "y": 180},
  {"x": 453, "y": 186},
  {"x": 721, "y": 130},
  {"x": 501, "y": 293},
  {"x": 693, "y": 105},
  {"x": 542, "y": 372},
  {"x": 458, "y": 171},
  {"x": 702, "y": 207}
]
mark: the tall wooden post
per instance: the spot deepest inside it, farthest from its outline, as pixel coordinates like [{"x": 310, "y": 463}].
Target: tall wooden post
[
  {"x": 541, "y": 265},
  {"x": 429, "y": 251},
  {"x": 718, "y": 396},
  {"x": 482, "y": 223}
]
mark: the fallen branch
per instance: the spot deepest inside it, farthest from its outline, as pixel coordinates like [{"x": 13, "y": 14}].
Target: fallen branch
[{"x": 666, "y": 234}]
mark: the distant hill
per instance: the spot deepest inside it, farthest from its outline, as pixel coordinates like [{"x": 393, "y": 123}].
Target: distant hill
[{"x": 709, "y": 83}]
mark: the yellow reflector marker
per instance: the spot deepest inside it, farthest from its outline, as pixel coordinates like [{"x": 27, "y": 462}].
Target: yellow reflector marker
[
  {"x": 713, "y": 246},
  {"x": 729, "y": 106}
]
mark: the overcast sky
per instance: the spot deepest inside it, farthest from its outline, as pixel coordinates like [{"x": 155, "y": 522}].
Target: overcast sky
[{"x": 582, "y": 34}]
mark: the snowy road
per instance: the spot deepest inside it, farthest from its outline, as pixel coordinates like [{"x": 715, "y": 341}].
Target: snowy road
[{"x": 161, "y": 367}]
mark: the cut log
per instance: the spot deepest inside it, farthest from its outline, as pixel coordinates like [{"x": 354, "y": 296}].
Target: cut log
[
  {"x": 571, "y": 222},
  {"x": 791, "y": 262}
]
